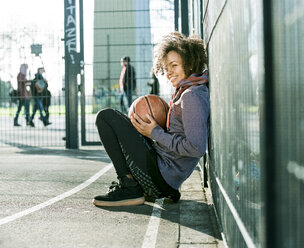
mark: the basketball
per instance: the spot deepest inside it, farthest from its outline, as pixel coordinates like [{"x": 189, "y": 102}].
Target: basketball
[{"x": 153, "y": 105}]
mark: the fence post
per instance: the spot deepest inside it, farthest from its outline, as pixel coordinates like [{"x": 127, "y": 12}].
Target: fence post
[
  {"x": 269, "y": 168},
  {"x": 72, "y": 68},
  {"x": 184, "y": 17}
]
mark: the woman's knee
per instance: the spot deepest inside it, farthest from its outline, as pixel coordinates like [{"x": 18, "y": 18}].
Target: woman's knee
[{"x": 104, "y": 114}]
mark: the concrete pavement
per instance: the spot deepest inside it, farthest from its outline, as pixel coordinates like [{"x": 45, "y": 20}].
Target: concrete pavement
[{"x": 46, "y": 201}]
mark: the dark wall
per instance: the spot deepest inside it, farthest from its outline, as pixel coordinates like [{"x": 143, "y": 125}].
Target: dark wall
[
  {"x": 234, "y": 38},
  {"x": 287, "y": 22},
  {"x": 256, "y": 159}
]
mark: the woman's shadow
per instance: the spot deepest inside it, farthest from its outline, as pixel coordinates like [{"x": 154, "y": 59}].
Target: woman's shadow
[{"x": 191, "y": 214}]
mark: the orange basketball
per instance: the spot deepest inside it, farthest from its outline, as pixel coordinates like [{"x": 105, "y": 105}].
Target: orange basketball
[{"x": 153, "y": 105}]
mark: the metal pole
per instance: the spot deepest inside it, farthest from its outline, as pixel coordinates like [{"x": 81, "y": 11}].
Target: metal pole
[
  {"x": 82, "y": 78},
  {"x": 269, "y": 159},
  {"x": 202, "y": 18},
  {"x": 184, "y": 16},
  {"x": 176, "y": 14},
  {"x": 109, "y": 71},
  {"x": 71, "y": 71}
]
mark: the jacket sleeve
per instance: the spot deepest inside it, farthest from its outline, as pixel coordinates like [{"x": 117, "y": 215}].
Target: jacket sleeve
[{"x": 193, "y": 141}]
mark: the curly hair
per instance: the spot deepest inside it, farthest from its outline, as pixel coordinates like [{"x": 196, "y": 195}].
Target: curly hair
[{"x": 191, "y": 49}]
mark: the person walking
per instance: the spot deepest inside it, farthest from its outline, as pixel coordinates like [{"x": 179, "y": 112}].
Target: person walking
[
  {"x": 46, "y": 102},
  {"x": 127, "y": 83},
  {"x": 149, "y": 160},
  {"x": 38, "y": 86},
  {"x": 24, "y": 93}
]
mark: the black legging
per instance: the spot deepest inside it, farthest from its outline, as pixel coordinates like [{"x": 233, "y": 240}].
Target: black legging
[{"x": 119, "y": 137}]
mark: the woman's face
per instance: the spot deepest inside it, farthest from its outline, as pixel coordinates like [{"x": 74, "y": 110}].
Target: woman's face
[{"x": 174, "y": 68}]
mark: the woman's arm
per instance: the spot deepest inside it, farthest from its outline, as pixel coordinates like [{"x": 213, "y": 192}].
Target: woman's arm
[
  {"x": 143, "y": 127},
  {"x": 195, "y": 115}
]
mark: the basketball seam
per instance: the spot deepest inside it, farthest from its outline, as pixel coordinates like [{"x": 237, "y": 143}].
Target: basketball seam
[
  {"x": 149, "y": 106},
  {"x": 164, "y": 106}
]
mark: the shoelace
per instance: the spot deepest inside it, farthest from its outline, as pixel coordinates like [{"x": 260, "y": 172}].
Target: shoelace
[{"x": 114, "y": 185}]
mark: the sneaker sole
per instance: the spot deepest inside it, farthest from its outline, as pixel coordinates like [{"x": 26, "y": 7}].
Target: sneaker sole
[{"x": 129, "y": 202}]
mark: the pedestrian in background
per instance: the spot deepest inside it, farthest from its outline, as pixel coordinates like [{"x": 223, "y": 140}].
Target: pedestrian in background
[
  {"x": 24, "y": 94},
  {"x": 154, "y": 85},
  {"x": 149, "y": 160},
  {"x": 46, "y": 103},
  {"x": 127, "y": 83},
  {"x": 38, "y": 86}
]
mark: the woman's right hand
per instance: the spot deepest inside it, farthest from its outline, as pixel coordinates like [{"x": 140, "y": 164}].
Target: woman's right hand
[{"x": 145, "y": 128}]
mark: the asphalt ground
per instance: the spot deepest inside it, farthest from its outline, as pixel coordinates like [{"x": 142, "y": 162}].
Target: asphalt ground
[{"x": 46, "y": 201}]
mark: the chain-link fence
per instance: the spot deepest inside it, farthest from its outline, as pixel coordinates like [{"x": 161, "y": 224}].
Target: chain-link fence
[{"x": 112, "y": 30}]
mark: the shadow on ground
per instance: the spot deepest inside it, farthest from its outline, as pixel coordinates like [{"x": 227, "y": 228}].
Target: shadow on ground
[
  {"x": 182, "y": 213},
  {"x": 95, "y": 153}
]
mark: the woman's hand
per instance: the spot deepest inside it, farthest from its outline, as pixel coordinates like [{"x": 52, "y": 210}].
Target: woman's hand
[{"x": 143, "y": 127}]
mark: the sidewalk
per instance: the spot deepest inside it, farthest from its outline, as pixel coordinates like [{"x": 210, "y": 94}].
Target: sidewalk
[
  {"x": 198, "y": 225},
  {"x": 31, "y": 176}
]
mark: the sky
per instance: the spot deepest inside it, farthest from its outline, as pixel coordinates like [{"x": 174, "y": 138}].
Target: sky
[{"x": 21, "y": 12}]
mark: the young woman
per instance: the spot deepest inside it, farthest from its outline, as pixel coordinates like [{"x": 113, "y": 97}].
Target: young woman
[
  {"x": 148, "y": 159},
  {"x": 24, "y": 95}
]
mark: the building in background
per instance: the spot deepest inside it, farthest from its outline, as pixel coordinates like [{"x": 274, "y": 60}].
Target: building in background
[{"x": 121, "y": 28}]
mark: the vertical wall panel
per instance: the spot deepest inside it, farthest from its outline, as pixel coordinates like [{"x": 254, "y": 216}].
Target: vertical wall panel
[
  {"x": 242, "y": 105},
  {"x": 232, "y": 31},
  {"x": 288, "y": 73}
]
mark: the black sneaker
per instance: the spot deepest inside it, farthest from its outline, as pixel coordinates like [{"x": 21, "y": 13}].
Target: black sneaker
[
  {"x": 118, "y": 195},
  {"x": 30, "y": 123},
  {"x": 46, "y": 123},
  {"x": 175, "y": 196}
]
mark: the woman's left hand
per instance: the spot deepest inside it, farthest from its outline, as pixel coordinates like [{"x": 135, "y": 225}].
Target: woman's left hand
[{"x": 143, "y": 127}]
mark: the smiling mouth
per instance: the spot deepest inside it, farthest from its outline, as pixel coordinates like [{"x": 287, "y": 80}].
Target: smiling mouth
[{"x": 172, "y": 79}]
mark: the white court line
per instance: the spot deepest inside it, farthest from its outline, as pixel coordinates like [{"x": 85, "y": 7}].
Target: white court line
[
  {"x": 88, "y": 157},
  {"x": 152, "y": 230},
  {"x": 57, "y": 198},
  {"x": 249, "y": 242}
]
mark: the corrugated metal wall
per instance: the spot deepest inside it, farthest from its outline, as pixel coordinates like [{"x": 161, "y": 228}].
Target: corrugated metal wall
[
  {"x": 235, "y": 49},
  {"x": 256, "y": 162}
]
